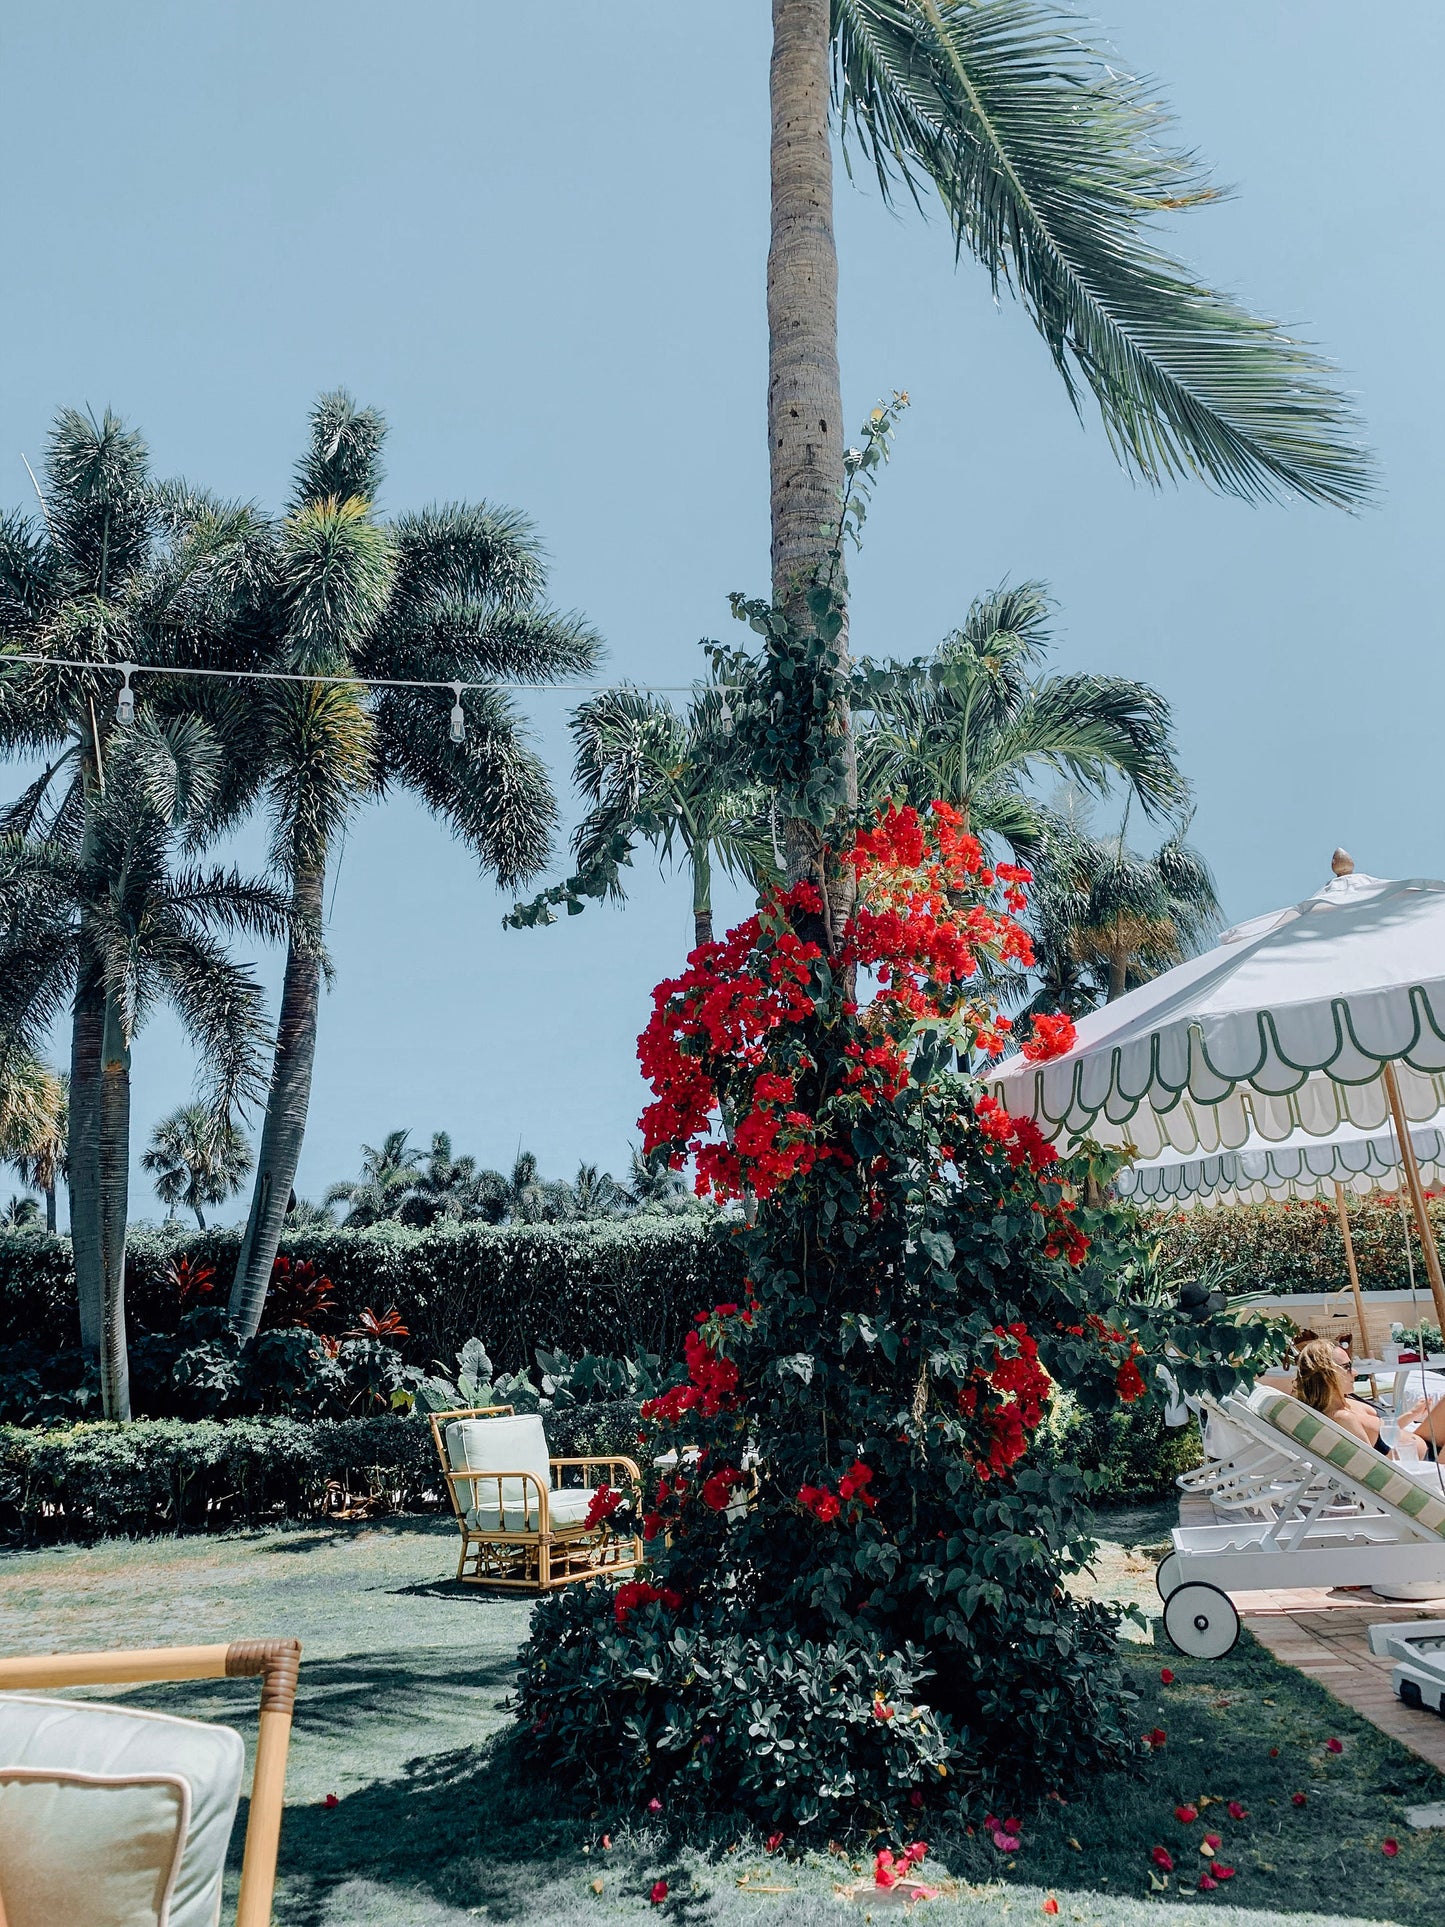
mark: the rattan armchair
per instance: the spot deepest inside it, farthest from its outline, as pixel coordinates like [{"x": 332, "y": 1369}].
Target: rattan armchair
[
  {"x": 61, "y": 1749},
  {"x": 523, "y": 1529}
]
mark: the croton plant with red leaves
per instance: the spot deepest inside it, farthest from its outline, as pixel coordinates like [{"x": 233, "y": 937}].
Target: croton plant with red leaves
[{"x": 842, "y": 1463}]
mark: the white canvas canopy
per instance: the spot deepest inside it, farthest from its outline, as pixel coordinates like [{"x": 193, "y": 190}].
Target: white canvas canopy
[
  {"x": 1301, "y": 1167},
  {"x": 1298, "y": 1023}
]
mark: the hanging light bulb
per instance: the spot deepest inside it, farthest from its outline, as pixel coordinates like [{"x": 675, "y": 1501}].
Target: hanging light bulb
[
  {"x": 125, "y": 701},
  {"x": 726, "y": 717},
  {"x": 459, "y": 721}
]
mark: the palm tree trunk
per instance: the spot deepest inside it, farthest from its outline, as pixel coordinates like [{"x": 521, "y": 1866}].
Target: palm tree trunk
[
  {"x": 701, "y": 896},
  {"x": 86, "y": 1040},
  {"x": 50, "y": 1209},
  {"x": 805, "y": 430},
  {"x": 114, "y": 1207},
  {"x": 200, "y": 1219},
  {"x": 1118, "y": 972},
  {"x": 286, "y": 1106}
]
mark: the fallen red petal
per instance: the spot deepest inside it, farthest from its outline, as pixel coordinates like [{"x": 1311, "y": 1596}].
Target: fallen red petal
[
  {"x": 1334, "y": 1746},
  {"x": 1166, "y": 1677},
  {"x": 1186, "y": 1815},
  {"x": 1391, "y": 1847},
  {"x": 1050, "y": 1906},
  {"x": 1297, "y": 1799},
  {"x": 659, "y": 1892}
]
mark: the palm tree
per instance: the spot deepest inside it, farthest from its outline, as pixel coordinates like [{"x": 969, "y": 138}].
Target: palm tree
[
  {"x": 1052, "y": 166},
  {"x": 387, "y": 1177},
  {"x": 447, "y": 593},
  {"x": 596, "y": 1194},
  {"x": 1107, "y": 918},
  {"x": 101, "y": 907},
  {"x": 197, "y": 1159},
  {"x": 651, "y": 1184},
  {"x": 21, "y": 1213},
  {"x": 453, "y": 1187},
  {"x": 649, "y": 772},
  {"x": 34, "y": 1122},
  {"x": 973, "y": 721}
]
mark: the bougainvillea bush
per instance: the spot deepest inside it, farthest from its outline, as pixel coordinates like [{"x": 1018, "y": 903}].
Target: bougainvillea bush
[{"x": 856, "y": 1606}]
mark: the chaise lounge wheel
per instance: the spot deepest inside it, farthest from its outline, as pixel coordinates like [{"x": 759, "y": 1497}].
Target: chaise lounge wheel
[
  {"x": 1167, "y": 1575},
  {"x": 1410, "y": 1694},
  {"x": 1200, "y": 1620}
]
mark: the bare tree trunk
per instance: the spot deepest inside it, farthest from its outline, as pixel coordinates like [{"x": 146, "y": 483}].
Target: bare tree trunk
[
  {"x": 284, "y": 1129},
  {"x": 50, "y": 1209},
  {"x": 1118, "y": 973},
  {"x": 114, "y": 1208},
  {"x": 86, "y": 1039},
  {"x": 805, "y": 430}
]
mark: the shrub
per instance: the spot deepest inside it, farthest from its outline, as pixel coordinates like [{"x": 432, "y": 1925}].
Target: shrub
[
  {"x": 165, "y": 1475},
  {"x": 618, "y": 1287},
  {"x": 1129, "y": 1454},
  {"x": 1295, "y": 1245}
]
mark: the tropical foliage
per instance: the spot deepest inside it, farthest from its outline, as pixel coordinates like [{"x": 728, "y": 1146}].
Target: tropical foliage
[
  {"x": 196, "y": 1159},
  {"x": 34, "y": 1124}
]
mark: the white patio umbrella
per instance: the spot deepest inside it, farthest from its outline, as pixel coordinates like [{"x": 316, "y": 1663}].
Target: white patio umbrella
[
  {"x": 1329, "y": 1013},
  {"x": 1261, "y": 1172}
]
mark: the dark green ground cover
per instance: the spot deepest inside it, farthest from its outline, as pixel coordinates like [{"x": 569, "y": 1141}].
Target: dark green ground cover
[{"x": 401, "y": 1715}]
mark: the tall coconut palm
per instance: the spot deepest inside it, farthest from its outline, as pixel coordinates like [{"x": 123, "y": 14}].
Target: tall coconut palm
[
  {"x": 34, "y": 1123},
  {"x": 109, "y": 903},
  {"x": 196, "y": 1159},
  {"x": 388, "y": 1174},
  {"x": 448, "y": 593},
  {"x": 1053, "y": 167},
  {"x": 972, "y": 722},
  {"x": 651, "y": 772},
  {"x": 115, "y": 568},
  {"x": 454, "y": 1188}
]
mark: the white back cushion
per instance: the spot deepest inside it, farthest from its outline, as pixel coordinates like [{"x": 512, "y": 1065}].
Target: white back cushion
[
  {"x": 111, "y": 1817},
  {"x": 514, "y": 1444}
]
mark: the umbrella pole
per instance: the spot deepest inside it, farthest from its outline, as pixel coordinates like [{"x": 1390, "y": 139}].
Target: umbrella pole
[
  {"x": 1417, "y": 1195},
  {"x": 1354, "y": 1269}
]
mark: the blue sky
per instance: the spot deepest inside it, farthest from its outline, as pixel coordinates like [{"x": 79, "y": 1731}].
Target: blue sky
[{"x": 535, "y": 237}]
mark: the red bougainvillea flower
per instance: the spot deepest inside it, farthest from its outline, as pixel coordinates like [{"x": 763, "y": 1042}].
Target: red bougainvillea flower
[
  {"x": 654, "y": 1805},
  {"x": 1222, "y": 1872},
  {"x": 881, "y": 1709},
  {"x": 1163, "y": 1859},
  {"x": 1051, "y": 1037},
  {"x": 1050, "y": 1906},
  {"x": 331, "y": 1801},
  {"x": 774, "y": 1841},
  {"x": 1005, "y": 1842},
  {"x": 1334, "y": 1746},
  {"x": 1207, "y": 1884},
  {"x": 822, "y": 1503},
  {"x": 605, "y": 1502},
  {"x": 1390, "y": 1848},
  {"x": 658, "y": 1893},
  {"x": 1237, "y": 1810},
  {"x": 915, "y": 1798},
  {"x": 1186, "y": 1815},
  {"x": 1274, "y": 1752},
  {"x": 884, "y": 1874},
  {"x": 1157, "y": 1738},
  {"x": 1166, "y": 1676},
  {"x": 1298, "y": 1800},
  {"x": 636, "y": 1592},
  {"x": 1213, "y": 1842}
]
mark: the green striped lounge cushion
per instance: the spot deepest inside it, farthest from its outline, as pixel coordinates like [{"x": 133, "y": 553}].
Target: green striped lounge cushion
[{"x": 1331, "y": 1443}]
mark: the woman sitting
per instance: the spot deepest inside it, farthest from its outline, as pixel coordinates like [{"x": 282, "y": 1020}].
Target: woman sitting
[{"x": 1325, "y": 1380}]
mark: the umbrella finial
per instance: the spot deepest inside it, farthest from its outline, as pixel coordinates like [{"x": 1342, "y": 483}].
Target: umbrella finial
[{"x": 1342, "y": 863}]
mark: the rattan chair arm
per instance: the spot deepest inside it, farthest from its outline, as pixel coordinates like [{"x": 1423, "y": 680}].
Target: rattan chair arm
[
  {"x": 275, "y": 1661},
  {"x": 544, "y": 1514},
  {"x": 599, "y": 1459}
]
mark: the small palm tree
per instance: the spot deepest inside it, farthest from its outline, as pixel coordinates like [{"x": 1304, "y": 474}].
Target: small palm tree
[
  {"x": 649, "y": 1183},
  {"x": 104, "y": 915},
  {"x": 1106, "y": 918},
  {"x": 21, "y": 1214},
  {"x": 196, "y": 1159},
  {"x": 446, "y": 593},
  {"x": 388, "y": 1175},
  {"x": 453, "y": 1187},
  {"x": 596, "y": 1194},
  {"x": 650, "y": 772},
  {"x": 533, "y": 1199},
  {"x": 971, "y": 723},
  {"x": 34, "y": 1124}
]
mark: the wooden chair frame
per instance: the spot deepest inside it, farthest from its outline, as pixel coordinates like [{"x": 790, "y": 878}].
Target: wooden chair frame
[
  {"x": 542, "y": 1557},
  {"x": 273, "y": 1661}
]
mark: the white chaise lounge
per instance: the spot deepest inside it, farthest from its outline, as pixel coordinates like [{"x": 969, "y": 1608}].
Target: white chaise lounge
[{"x": 1336, "y": 1513}]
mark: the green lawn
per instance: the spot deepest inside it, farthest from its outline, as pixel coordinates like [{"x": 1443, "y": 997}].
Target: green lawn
[{"x": 403, "y": 1681}]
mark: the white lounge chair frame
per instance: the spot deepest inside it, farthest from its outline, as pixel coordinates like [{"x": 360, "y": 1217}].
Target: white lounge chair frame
[
  {"x": 1307, "y": 1521},
  {"x": 1418, "y": 1648}
]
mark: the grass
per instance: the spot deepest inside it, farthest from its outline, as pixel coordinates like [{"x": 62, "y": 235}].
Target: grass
[{"x": 401, "y": 1715}]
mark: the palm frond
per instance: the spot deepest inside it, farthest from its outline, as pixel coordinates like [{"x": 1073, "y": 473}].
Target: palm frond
[
  {"x": 343, "y": 453},
  {"x": 1053, "y": 167},
  {"x": 467, "y": 552}
]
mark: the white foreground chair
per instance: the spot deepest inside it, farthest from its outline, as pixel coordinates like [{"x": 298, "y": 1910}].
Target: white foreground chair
[
  {"x": 115, "y": 1817},
  {"x": 1338, "y": 1514}
]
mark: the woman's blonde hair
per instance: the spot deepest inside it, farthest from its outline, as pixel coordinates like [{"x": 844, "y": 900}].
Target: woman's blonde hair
[{"x": 1317, "y": 1375}]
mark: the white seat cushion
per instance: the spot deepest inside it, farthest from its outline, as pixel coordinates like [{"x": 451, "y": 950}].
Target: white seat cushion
[
  {"x": 567, "y": 1508},
  {"x": 111, "y": 1817},
  {"x": 513, "y": 1444}
]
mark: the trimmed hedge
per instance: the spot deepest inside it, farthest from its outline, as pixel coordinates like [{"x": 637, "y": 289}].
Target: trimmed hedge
[
  {"x": 1296, "y": 1245},
  {"x": 618, "y": 1287},
  {"x": 153, "y": 1476}
]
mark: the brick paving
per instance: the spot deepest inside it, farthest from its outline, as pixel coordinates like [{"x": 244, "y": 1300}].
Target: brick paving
[{"x": 1324, "y": 1633}]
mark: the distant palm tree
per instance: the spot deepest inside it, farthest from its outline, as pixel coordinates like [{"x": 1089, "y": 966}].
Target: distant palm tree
[
  {"x": 453, "y": 1187},
  {"x": 21, "y": 1213},
  {"x": 532, "y": 1199},
  {"x": 653, "y": 773},
  {"x": 34, "y": 1125},
  {"x": 649, "y": 1183},
  {"x": 972, "y": 722},
  {"x": 1106, "y": 918},
  {"x": 388, "y": 1174},
  {"x": 597, "y": 1194},
  {"x": 197, "y": 1159},
  {"x": 448, "y": 592}
]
